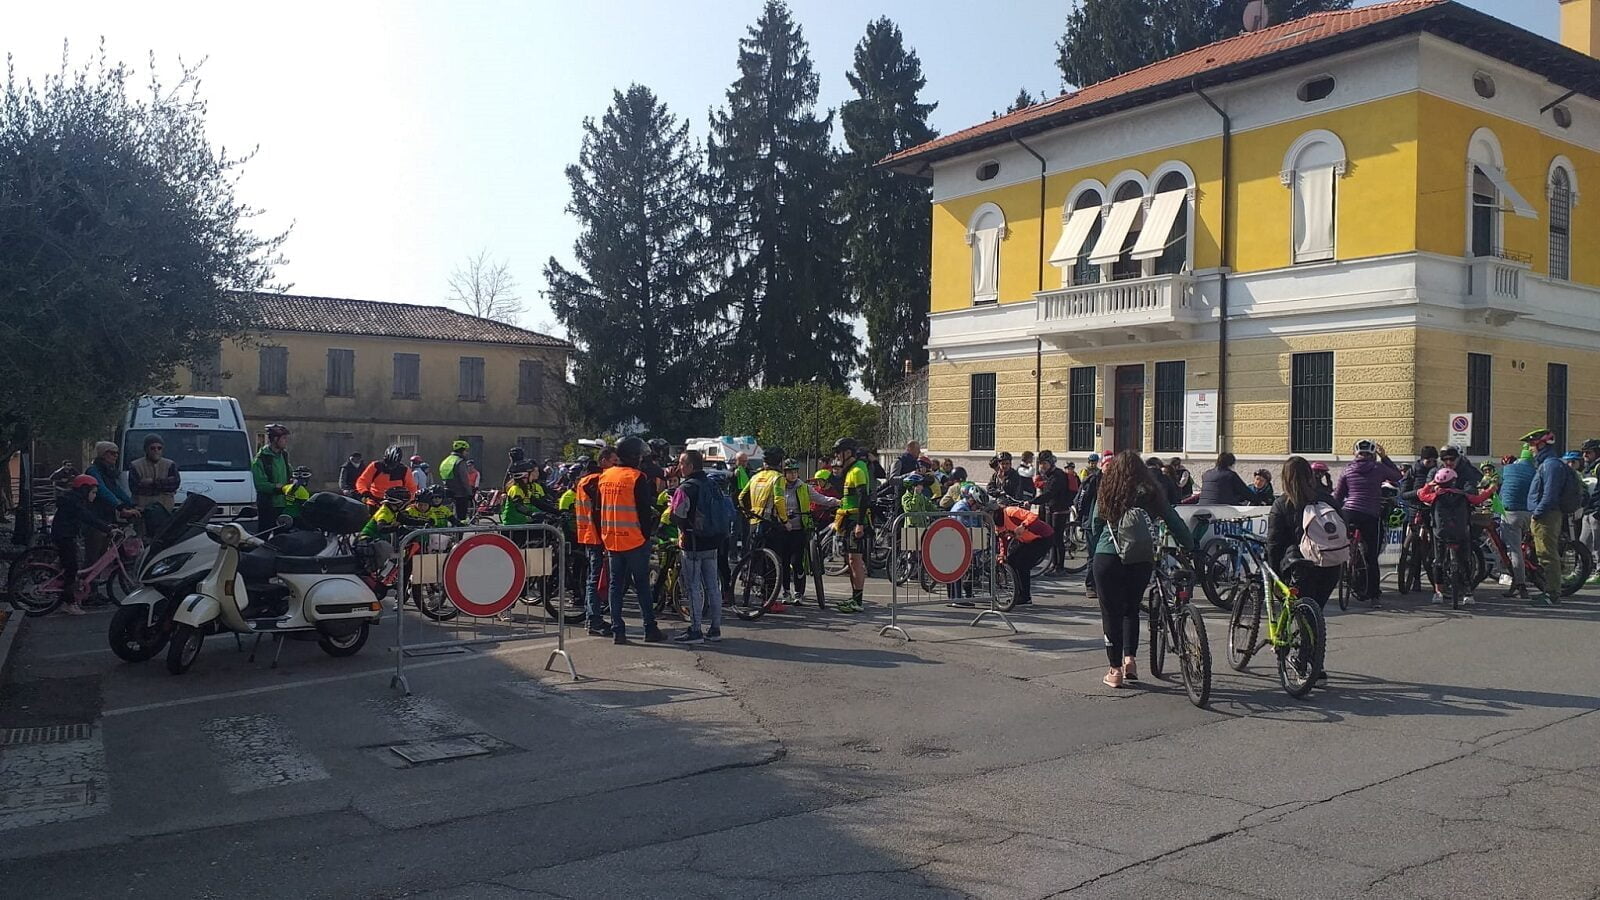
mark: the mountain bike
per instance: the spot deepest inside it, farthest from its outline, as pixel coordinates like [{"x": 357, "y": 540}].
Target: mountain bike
[
  {"x": 1295, "y": 628},
  {"x": 1176, "y": 627}
]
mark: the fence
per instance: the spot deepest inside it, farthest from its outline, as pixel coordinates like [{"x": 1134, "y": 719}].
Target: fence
[
  {"x": 908, "y": 571},
  {"x": 445, "y": 566}
]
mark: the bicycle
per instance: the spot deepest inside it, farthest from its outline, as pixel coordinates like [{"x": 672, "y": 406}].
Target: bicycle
[
  {"x": 1176, "y": 626},
  {"x": 35, "y": 586},
  {"x": 1295, "y": 628}
]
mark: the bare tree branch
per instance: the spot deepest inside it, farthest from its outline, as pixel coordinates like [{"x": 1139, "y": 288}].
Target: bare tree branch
[{"x": 486, "y": 288}]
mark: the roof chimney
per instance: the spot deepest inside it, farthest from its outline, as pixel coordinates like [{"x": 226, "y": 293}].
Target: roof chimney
[{"x": 1580, "y": 25}]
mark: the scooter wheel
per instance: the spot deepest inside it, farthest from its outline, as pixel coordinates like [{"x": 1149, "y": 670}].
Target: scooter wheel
[
  {"x": 349, "y": 645},
  {"x": 131, "y": 636},
  {"x": 185, "y": 646}
]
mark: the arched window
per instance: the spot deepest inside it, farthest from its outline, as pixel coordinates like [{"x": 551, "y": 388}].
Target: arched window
[
  {"x": 1560, "y": 222},
  {"x": 1311, "y": 171},
  {"x": 1175, "y": 258},
  {"x": 985, "y": 231}
]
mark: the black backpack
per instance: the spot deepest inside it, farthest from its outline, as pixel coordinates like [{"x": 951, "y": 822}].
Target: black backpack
[{"x": 1452, "y": 517}]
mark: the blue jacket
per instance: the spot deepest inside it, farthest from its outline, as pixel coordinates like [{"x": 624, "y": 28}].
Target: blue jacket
[
  {"x": 1544, "y": 494},
  {"x": 1514, "y": 482}
]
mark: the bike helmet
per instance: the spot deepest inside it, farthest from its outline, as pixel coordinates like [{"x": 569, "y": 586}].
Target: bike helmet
[
  {"x": 276, "y": 430},
  {"x": 772, "y": 457},
  {"x": 83, "y": 481},
  {"x": 1444, "y": 475},
  {"x": 913, "y": 480},
  {"x": 1365, "y": 449},
  {"x": 397, "y": 494},
  {"x": 462, "y": 446},
  {"x": 1319, "y": 467},
  {"x": 847, "y": 445},
  {"x": 391, "y": 456},
  {"x": 791, "y": 465},
  {"x": 1539, "y": 437},
  {"x": 301, "y": 472},
  {"x": 631, "y": 451}
]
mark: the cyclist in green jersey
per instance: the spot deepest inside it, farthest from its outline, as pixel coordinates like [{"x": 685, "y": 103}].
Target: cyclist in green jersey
[{"x": 852, "y": 521}]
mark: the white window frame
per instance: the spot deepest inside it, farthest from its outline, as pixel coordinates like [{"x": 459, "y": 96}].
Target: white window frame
[
  {"x": 1288, "y": 176},
  {"x": 1001, "y": 232}
]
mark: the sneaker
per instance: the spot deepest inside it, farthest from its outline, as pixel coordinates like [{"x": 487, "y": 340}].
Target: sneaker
[
  {"x": 714, "y": 635},
  {"x": 654, "y": 636},
  {"x": 1438, "y": 599},
  {"x": 688, "y": 637},
  {"x": 74, "y": 609}
]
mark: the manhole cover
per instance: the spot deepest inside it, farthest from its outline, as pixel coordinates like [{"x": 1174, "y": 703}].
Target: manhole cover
[
  {"x": 65, "y": 796},
  {"x": 434, "y": 751},
  {"x": 44, "y": 734}
]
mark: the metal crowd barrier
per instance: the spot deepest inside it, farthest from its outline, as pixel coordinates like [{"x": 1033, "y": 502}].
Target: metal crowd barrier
[
  {"x": 906, "y": 532},
  {"x": 427, "y": 568}
]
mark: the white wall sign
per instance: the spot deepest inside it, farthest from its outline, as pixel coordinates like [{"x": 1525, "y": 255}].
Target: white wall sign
[
  {"x": 1460, "y": 430},
  {"x": 1200, "y": 422}
]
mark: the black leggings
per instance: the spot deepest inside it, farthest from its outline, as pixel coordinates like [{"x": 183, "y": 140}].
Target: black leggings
[{"x": 1121, "y": 588}]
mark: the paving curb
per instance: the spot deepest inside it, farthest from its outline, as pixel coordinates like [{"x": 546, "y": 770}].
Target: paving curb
[{"x": 8, "y": 638}]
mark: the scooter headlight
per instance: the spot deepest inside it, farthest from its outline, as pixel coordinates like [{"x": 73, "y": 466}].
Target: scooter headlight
[{"x": 169, "y": 565}]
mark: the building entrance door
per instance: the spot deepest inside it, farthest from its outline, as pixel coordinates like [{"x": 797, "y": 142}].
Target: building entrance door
[{"x": 1129, "y": 433}]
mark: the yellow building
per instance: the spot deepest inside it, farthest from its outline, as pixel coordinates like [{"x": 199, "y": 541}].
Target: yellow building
[
  {"x": 356, "y": 375},
  {"x": 1353, "y": 225}
]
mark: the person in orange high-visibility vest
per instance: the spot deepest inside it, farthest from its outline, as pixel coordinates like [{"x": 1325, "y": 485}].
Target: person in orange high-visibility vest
[
  {"x": 589, "y": 539},
  {"x": 625, "y": 514}
]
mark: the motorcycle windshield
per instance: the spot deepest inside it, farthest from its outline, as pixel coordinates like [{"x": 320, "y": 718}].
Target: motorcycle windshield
[{"x": 186, "y": 522}]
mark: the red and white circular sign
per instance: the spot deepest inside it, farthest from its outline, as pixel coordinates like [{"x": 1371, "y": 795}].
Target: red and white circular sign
[
  {"x": 484, "y": 574},
  {"x": 946, "y": 550}
]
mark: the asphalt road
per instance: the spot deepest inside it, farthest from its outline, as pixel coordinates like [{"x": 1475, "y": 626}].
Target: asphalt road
[{"x": 1452, "y": 754}]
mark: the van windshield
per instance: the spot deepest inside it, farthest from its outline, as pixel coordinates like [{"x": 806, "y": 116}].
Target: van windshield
[{"x": 194, "y": 450}]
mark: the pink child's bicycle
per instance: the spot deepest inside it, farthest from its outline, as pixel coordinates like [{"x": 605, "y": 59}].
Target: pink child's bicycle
[{"x": 35, "y": 582}]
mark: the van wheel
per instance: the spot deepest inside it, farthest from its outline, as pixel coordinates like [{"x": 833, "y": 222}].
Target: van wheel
[
  {"x": 184, "y": 648},
  {"x": 348, "y": 645},
  {"x": 131, "y": 636}
]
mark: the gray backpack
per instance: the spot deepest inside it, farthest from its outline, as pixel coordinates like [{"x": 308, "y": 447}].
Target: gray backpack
[{"x": 1134, "y": 537}]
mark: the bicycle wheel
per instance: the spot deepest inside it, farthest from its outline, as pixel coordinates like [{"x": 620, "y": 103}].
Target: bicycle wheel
[
  {"x": 35, "y": 588},
  {"x": 1194, "y": 654},
  {"x": 1577, "y": 564},
  {"x": 1300, "y": 659},
  {"x": 1160, "y": 612},
  {"x": 1244, "y": 626},
  {"x": 755, "y": 584},
  {"x": 1219, "y": 573},
  {"x": 834, "y": 560},
  {"x": 1075, "y": 543}
]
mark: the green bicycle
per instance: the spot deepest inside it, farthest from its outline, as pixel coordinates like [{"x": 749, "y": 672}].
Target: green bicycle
[{"x": 1295, "y": 628}]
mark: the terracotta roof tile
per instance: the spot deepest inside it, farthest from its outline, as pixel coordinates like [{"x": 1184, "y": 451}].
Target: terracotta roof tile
[
  {"x": 334, "y": 315},
  {"x": 1184, "y": 66}
]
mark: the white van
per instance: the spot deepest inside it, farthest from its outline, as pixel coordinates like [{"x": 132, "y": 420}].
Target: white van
[{"x": 206, "y": 437}]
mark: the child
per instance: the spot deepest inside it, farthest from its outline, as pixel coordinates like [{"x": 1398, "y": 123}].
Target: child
[
  {"x": 296, "y": 492},
  {"x": 75, "y": 516}
]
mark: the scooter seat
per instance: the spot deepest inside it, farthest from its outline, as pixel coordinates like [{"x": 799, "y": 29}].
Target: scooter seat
[{"x": 318, "y": 565}]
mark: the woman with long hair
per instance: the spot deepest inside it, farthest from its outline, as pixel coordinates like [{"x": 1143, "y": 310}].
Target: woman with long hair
[
  {"x": 1125, "y": 485},
  {"x": 1286, "y": 526}
]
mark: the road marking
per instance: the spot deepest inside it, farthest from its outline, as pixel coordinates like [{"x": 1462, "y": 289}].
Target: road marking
[
  {"x": 45, "y": 783},
  {"x": 256, "y": 753},
  {"x": 418, "y": 719},
  {"x": 522, "y": 647}
]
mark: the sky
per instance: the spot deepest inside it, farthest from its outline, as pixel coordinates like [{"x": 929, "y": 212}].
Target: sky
[{"x": 399, "y": 138}]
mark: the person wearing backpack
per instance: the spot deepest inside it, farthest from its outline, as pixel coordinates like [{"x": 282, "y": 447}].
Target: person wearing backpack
[
  {"x": 1304, "y": 524},
  {"x": 1127, "y": 502},
  {"x": 704, "y": 516},
  {"x": 1553, "y": 495},
  {"x": 1359, "y": 495}
]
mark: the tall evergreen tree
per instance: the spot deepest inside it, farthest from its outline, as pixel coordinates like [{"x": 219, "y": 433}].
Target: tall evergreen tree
[
  {"x": 1108, "y": 37},
  {"x": 887, "y": 215},
  {"x": 638, "y": 308},
  {"x": 772, "y": 184}
]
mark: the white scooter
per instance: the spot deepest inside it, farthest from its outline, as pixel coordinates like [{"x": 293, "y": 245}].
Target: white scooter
[{"x": 253, "y": 589}]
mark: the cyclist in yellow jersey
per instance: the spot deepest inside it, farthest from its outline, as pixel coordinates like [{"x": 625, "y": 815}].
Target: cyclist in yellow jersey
[{"x": 853, "y": 520}]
